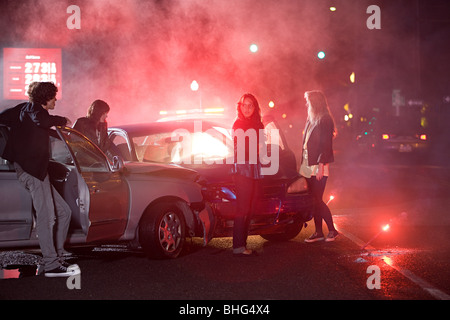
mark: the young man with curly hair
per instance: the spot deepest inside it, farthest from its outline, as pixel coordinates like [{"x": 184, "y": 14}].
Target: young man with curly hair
[{"x": 28, "y": 147}]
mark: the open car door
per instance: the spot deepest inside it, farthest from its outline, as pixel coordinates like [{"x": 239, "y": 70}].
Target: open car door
[
  {"x": 103, "y": 194},
  {"x": 66, "y": 178}
]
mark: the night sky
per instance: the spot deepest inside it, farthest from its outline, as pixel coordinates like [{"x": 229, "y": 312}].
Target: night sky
[{"x": 141, "y": 56}]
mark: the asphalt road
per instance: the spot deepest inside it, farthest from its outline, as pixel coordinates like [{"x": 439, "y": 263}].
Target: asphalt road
[{"x": 410, "y": 261}]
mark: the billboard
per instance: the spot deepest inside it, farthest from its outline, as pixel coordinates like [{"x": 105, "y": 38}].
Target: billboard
[{"x": 21, "y": 66}]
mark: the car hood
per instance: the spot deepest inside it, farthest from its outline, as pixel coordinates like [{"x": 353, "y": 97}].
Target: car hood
[
  {"x": 158, "y": 169},
  {"x": 214, "y": 173}
]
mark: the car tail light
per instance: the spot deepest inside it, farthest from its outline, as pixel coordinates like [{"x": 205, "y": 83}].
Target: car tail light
[
  {"x": 299, "y": 185},
  {"x": 423, "y": 137},
  {"x": 385, "y": 136}
]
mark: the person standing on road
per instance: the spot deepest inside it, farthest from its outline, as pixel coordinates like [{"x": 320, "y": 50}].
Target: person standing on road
[
  {"x": 28, "y": 147},
  {"x": 94, "y": 125},
  {"x": 247, "y": 174},
  {"x": 317, "y": 153}
]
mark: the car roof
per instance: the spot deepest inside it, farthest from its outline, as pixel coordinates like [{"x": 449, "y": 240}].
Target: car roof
[{"x": 167, "y": 126}]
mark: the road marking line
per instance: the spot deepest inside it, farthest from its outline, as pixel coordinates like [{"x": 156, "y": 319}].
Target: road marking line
[
  {"x": 353, "y": 238},
  {"x": 438, "y": 294},
  {"x": 434, "y": 292}
]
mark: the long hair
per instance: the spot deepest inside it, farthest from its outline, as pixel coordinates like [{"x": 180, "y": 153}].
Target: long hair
[
  {"x": 256, "y": 116},
  {"x": 318, "y": 107},
  {"x": 97, "y": 109}
]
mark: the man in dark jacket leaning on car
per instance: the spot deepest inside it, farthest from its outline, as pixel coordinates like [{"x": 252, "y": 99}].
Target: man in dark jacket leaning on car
[{"x": 28, "y": 147}]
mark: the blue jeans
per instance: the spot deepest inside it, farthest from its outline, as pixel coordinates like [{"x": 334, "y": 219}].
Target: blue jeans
[{"x": 321, "y": 210}]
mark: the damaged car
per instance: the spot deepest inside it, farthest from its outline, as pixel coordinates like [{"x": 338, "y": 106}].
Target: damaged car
[
  {"x": 148, "y": 205},
  {"x": 206, "y": 147}
]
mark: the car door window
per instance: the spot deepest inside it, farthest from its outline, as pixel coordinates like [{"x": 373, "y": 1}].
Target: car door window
[
  {"x": 121, "y": 146},
  {"x": 88, "y": 157},
  {"x": 59, "y": 151},
  {"x": 5, "y": 165}
]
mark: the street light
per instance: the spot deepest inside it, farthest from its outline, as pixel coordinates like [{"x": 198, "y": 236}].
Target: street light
[
  {"x": 253, "y": 48},
  {"x": 195, "y": 87},
  {"x": 321, "y": 55}
]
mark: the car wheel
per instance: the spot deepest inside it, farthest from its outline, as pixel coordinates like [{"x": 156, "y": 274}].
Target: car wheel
[
  {"x": 162, "y": 231},
  {"x": 290, "y": 232}
]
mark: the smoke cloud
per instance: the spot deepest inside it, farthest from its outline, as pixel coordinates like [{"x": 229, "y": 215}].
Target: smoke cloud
[{"x": 141, "y": 56}]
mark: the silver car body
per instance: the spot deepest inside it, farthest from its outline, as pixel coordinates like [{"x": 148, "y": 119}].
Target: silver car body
[{"x": 107, "y": 198}]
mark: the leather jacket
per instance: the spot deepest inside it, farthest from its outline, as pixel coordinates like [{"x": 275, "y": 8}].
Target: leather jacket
[
  {"x": 29, "y": 137},
  {"x": 247, "y": 169}
]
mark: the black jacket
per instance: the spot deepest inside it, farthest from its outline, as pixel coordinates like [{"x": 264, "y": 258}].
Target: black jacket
[
  {"x": 29, "y": 143},
  {"x": 97, "y": 133},
  {"x": 320, "y": 143},
  {"x": 247, "y": 169}
]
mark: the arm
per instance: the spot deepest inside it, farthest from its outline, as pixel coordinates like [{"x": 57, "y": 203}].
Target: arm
[
  {"x": 320, "y": 172},
  {"x": 105, "y": 143},
  {"x": 42, "y": 118},
  {"x": 45, "y": 120}
]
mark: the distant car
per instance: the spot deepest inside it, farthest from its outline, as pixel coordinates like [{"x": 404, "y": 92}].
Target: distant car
[
  {"x": 394, "y": 136},
  {"x": 149, "y": 205},
  {"x": 285, "y": 204},
  {"x": 403, "y": 142}
]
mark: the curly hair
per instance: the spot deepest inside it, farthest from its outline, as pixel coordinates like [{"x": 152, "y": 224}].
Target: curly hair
[{"x": 41, "y": 92}]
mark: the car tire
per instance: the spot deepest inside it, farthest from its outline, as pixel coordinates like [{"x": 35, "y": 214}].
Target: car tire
[
  {"x": 162, "y": 231},
  {"x": 290, "y": 232}
]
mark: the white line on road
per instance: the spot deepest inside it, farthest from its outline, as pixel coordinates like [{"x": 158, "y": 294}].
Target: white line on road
[{"x": 433, "y": 291}]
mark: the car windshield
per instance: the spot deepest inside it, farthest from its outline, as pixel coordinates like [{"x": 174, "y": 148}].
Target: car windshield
[{"x": 182, "y": 146}]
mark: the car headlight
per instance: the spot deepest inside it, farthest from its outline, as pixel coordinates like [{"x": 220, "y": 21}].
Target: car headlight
[
  {"x": 299, "y": 185},
  {"x": 224, "y": 194}
]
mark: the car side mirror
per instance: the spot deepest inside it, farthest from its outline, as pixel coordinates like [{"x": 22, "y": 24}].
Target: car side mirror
[{"x": 117, "y": 163}]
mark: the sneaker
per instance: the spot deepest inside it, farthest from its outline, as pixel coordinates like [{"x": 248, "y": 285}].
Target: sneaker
[
  {"x": 245, "y": 253},
  {"x": 332, "y": 235},
  {"x": 314, "y": 237},
  {"x": 66, "y": 254},
  {"x": 70, "y": 266},
  {"x": 62, "y": 271}
]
